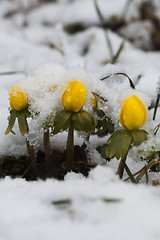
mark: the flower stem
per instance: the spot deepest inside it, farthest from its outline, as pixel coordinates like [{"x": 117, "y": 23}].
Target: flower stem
[
  {"x": 120, "y": 170},
  {"x": 70, "y": 147},
  {"x": 129, "y": 173},
  {"x": 31, "y": 153},
  {"x": 47, "y": 144}
]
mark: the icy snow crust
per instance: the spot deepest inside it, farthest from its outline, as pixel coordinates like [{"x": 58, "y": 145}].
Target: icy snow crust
[{"x": 26, "y": 209}]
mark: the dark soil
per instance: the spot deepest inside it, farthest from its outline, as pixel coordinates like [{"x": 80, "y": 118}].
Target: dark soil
[{"x": 53, "y": 167}]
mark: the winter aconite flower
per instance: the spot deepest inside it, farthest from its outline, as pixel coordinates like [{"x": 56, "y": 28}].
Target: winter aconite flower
[
  {"x": 94, "y": 101},
  {"x": 74, "y": 97},
  {"x": 133, "y": 113},
  {"x": 18, "y": 99}
]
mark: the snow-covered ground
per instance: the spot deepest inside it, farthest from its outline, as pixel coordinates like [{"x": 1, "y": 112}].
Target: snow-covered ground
[{"x": 101, "y": 206}]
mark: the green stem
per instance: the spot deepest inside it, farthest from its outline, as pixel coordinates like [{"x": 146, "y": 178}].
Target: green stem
[
  {"x": 105, "y": 31},
  {"x": 120, "y": 170},
  {"x": 31, "y": 153},
  {"x": 126, "y": 8},
  {"x": 70, "y": 147},
  {"x": 122, "y": 164},
  {"x": 116, "y": 56},
  {"x": 47, "y": 144},
  {"x": 129, "y": 172}
]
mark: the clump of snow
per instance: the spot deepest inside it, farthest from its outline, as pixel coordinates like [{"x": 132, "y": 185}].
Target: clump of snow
[
  {"x": 148, "y": 148},
  {"x": 139, "y": 33}
]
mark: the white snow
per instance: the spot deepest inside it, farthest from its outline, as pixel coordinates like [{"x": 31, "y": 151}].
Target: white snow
[
  {"x": 35, "y": 43},
  {"x": 27, "y": 210}
]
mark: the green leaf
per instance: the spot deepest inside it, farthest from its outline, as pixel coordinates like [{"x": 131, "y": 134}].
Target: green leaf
[
  {"x": 111, "y": 200},
  {"x": 83, "y": 121},
  {"x": 119, "y": 144},
  {"x": 13, "y": 132},
  {"x": 49, "y": 122},
  {"x": 11, "y": 119},
  {"x": 61, "y": 121},
  {"x": 27, "y": 113},
  {"x": 22, "y": 122},
  {"x": 138, "y": 136},
  {"x": 62, "y": 202},
  {"x": 104, "y": 127}
]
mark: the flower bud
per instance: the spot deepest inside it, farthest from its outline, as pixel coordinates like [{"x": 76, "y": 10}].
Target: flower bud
[
  {"x": 74, "y": 97},
  {"x": 94, "y": 101},
  {"x": 18, "y": 99},
  {"x": 133, "y": 113}
]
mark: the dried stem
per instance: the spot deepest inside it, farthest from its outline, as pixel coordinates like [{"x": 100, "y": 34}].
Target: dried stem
[
  {"x": 156, "y": 129},
  {"x": 156, "y": 106},
  {"x": 143, "y": 170}
]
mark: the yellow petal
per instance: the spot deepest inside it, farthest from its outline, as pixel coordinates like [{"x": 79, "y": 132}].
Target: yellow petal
[
  {"x": 74, "y": 97},
  {"x": 94, "y": 101},
  {"x": 133, "y": 113},
  {"x": 18, "y": 99}
]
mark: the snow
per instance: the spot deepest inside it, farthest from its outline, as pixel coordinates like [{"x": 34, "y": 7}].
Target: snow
[
  {"x": 30, "y": 213},
  {"x": 35, "y": 43}
]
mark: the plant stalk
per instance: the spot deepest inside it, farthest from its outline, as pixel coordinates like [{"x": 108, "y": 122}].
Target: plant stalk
[
  {"x": 47, "y": 144},
  {"x": 31, "y": 153},
  {"x": 131, "y": 177},
  {"x": 122, "y": 165},
  {"x": 105, "y": 31},
  {"x": 120, "y": 170},
  {"x": 70, "y": 147}
]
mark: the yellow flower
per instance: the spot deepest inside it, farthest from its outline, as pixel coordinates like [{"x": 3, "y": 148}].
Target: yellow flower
[
  {"x": 94, "y": 101},
  {"x": 133, "y": 113},
  {"x": 74, "y": 96},
  {"x": 18, "y": 99}
]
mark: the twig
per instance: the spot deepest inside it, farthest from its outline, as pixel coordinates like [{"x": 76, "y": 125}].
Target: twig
[
  {"x": 106, "y": 32},
  {"x": 143, "y": 170},
  {"x": 148, "y": 166},
  {"x": 124, "y": 74},
  {"x": 156, "y": 106},
  {"x": 120, "y": 49},
  {"x": 156, "y": 129}
]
